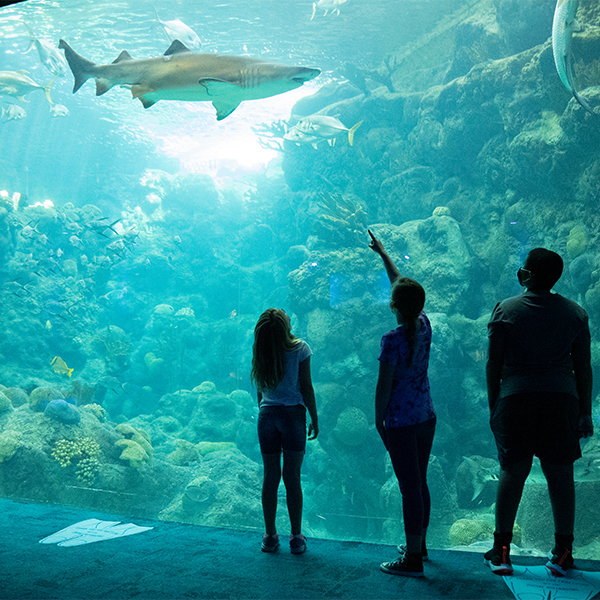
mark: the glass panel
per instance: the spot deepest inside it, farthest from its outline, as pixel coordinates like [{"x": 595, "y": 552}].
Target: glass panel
[{"x": 141, "y": 239}]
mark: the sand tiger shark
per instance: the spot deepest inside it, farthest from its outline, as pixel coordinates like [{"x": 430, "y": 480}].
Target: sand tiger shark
[
  {"x": 180, "y": 74},
  {"x": 563, "y": 26}
]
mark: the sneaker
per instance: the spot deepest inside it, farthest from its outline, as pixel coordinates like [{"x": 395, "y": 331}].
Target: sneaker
[
  {"x": 561, "y": 560},
  {"x": 498, "y": 559},
  {"x": 407, "y": 565},
  {"x": 297, "y": 544},
  {"x": 270, "y": 543},
  {"x": 402, "y": 550}
]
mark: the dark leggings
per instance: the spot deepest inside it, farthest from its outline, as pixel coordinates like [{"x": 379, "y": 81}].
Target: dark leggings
[{"x": 409, "y": 449}]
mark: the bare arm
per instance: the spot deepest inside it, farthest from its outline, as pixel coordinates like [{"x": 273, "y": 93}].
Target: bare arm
[
  {"x": 493, "y": 368},
  {"x": 383, "y": 394},
  {"x": 308, "y": 395},
  {"x": 581, "y": 354},
  {"x": 390, "y": 268}
]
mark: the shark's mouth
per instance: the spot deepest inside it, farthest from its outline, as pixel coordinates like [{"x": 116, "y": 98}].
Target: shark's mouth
[{"x": 307, "y": 76}]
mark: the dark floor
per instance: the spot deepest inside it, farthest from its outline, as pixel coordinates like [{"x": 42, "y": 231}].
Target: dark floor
[{"x": 176, "y": 561}]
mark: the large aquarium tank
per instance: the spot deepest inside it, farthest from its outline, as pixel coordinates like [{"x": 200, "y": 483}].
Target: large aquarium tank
[{"x": 143, "y": 231}]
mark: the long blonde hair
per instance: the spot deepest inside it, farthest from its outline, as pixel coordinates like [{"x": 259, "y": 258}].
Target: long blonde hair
[{"x": 272, "y": 338}]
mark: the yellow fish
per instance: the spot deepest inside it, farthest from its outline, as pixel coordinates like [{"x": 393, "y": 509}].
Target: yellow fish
[{"x": 60, "y": 366}]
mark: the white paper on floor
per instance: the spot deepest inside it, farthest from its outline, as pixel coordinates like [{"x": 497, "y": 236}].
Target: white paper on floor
[
  {"x": 538, "y": 583},
  {"x": 92, "y": 530}
]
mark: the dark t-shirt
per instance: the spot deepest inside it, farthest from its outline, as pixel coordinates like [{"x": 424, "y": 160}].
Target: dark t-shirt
[{"x": 538, "y": 336}]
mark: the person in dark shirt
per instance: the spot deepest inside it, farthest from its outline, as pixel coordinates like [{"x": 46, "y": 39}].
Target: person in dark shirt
[{"x": 539, "y": 381}]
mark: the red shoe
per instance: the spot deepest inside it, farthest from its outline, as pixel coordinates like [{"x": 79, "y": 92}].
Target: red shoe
[{"x": 498, "y": 559}]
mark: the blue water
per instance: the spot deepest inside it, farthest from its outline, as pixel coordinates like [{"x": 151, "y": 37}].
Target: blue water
[{"x": 139, "y": 246}]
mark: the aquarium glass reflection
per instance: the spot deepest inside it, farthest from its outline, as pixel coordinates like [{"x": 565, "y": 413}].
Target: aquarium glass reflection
[{"x": 148, "y": 217}]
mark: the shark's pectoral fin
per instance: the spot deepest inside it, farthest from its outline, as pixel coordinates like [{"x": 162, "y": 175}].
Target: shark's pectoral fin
[
  {"x": 224, "y": 109},
  {"x": 218, "y": 87}
]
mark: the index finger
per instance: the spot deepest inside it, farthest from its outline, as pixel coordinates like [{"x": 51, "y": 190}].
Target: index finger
[{"x": 372, "y": 236}]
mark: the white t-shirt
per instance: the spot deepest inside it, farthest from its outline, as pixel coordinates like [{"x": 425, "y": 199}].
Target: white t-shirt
[{"x": 287, "y": 392}]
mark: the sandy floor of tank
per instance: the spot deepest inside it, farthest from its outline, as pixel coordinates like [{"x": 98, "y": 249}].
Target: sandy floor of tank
[{"x": 176, "y": 561}]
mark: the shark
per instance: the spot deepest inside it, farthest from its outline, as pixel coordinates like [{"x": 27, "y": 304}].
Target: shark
[
  {"x": 180, "y": 74},
  {"x": 563, "y": 26}
]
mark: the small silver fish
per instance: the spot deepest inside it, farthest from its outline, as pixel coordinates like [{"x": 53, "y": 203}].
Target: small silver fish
[
  {"x": 50, "y": 56},
  {"x": 178, "y": 30},
  {"x": 13, "y": 113},
  {"x": 58, "y": 110},
  {"x": 327, "y": 6}
]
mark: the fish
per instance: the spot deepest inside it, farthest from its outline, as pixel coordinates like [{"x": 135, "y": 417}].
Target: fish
[
  {"x": 563, "y": 26},
  {"x": 17, "y": 84},
  {"x": 320, "y": 127},
  {"x": 180, "y": 74},
  {"x": 58, "y": 110},
  {"x": 178, "y": 30},
  {"x": 100, "y": 226},
  {"x": 481, "y": 475},
  {"x": 327, "y": 5},
  {"x": 49, "y": 55},
  {"x": 13, "y": 113},
  {"x": 60, "y": 366}
]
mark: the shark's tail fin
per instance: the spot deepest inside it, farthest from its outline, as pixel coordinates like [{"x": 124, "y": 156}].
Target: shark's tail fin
[
  {"x": 314, "y": 11},
  {"x": 81, "y": 68},
  {"x": 351, "y": 132}
]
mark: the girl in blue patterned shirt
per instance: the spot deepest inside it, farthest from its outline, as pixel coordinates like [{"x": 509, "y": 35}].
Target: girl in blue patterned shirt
[{"x": 404, "y": 414}]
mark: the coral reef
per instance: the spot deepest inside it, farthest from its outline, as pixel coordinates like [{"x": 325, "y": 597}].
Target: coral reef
[{"x": 83, "y": 450}]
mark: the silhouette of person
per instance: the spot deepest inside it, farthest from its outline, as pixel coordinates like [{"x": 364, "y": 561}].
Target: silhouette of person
[
  {"x": 539, "y": 381},
  {"x": 404, "y": 414},
  {"x": 281, "y": 373}
]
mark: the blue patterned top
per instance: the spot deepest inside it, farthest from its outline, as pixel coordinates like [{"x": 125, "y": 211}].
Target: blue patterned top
[{"x": 410, "y": 401}]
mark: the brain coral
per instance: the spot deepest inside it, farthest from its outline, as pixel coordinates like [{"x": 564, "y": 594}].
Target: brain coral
[
  {"x": 577, "y": 241},
  {"x": 465, "y": 532},
  {"x": 62, "y": 411},
  {"x": 9, "y": 442},
  {"x": 5, "y": 403},
  {"x": 40, "y": 397},
  {"x": 352, "y": 426},
  {"x": 133, "y": 453},
  {"x": 17, "y": 396}
]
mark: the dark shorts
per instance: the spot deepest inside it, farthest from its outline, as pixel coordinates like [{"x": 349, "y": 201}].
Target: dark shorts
[
  {"x": 282, "y": 428},
  {"x": 545, "y": 424}
]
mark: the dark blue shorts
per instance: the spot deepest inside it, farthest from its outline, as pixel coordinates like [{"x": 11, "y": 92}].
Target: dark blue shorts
[
  {"x": 282, "y": 428},
  {"x": 542, "y": 423}
]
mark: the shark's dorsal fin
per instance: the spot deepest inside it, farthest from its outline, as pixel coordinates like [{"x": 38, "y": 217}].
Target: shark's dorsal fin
[
  {"x": 176, "y": 48},
  {"x": 123, "y": 56}
]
